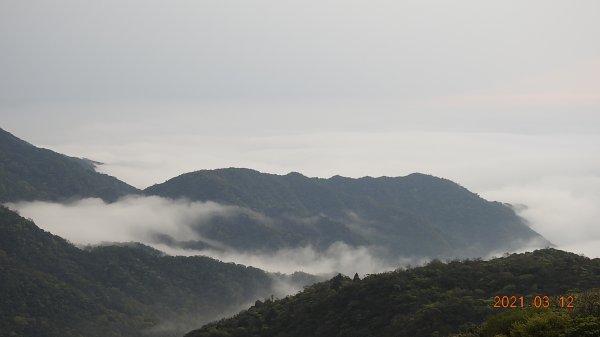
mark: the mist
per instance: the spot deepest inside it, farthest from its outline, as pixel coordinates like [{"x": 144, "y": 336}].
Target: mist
[
  {"x": 551, "y": 178},
  {"x": 501, "y": 97},
  {"x": 563, "y": 208},
  {"x": 337, "y": 258},
  {"x": 132, "y": 218},
  {"x": 92, "y": 221}
]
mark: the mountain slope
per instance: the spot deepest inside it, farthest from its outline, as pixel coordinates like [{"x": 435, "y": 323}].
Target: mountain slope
[
  {"x": 581, "y": 321},
  {"x": 51, "y": 288},
  {"x": 434, "y": 300},
  {"x": 416, "y": 215},
  {"x": 31, "y": 173}
]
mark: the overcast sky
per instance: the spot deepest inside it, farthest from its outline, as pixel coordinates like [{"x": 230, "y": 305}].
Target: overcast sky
[{"x": 500, "y": 96}]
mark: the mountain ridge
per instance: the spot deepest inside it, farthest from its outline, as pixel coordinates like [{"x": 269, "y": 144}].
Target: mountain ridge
[
  {"x": 417, "y": 214},
  {"x": 51, "y": 288},
  {"x": 32, "y": 173},
  {"x": 416, "y": 207},
  {"x": 433, "y": 300}
]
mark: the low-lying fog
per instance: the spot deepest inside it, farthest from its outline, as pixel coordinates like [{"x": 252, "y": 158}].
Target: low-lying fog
[
  {"x": 502, "y": 98},
  {"x": 554, "y": 172},
  {"x": 140, "y": 218}
]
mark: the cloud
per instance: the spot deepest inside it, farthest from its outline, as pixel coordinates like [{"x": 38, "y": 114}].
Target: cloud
[
  {"x": 478, "y": 161},
  {"x": 271, "y": 49},
  {"x": 519, "y": 246},
  {"x": 554, "y": 175},
  {"x": 339, "y": 257},
  {"x": 132, "y": 218},
  {"x": 563, "y": 208},
  {"x": 478, "y": 150},
  {"x": 140, "y": 218}
]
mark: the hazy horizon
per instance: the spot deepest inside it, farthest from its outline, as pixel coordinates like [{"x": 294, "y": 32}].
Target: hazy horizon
[{"x": 500, "y": 97}]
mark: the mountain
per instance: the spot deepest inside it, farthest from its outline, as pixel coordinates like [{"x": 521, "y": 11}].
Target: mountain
[
  {"x": 413, "y": 215},
  {"x": 416, "y": 215},
  {"x": 31, "y": 173},
  {"x": 435, "y": 300},
  {"x": 51, "y": 288}
]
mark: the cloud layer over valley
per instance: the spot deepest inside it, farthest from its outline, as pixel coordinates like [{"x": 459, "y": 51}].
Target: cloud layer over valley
[
  {"x": 141, "y": 218},
  {"x": 502, "y": 98},
  {"x": 563, "y": 208}
]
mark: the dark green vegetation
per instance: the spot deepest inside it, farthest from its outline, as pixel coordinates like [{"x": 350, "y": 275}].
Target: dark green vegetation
[
  {"x": 31, "y": 173},
  {"x": 50, "y": 288},
  {"x": 415, "y": 215},
  {"x": 582, "y": 321},
  {"x": 434, "y": 300}
]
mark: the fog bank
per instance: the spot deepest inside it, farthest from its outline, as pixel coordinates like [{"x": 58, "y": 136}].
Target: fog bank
[{"x": 140, "y": 218}]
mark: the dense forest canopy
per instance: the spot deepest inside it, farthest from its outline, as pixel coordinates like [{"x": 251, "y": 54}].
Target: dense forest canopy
[
  {"x": 413, "y": 215},
  {"x": 31, "y": 173},
  {"x": 434, "y": 300},
  {"x": 51, "y": 288}
]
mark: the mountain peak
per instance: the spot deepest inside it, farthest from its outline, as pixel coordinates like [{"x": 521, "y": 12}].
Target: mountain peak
[
  {"x": 418, "y": 214},
  {"x": 32, "y": 173}
]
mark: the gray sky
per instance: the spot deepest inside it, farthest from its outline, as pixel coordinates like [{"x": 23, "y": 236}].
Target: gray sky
[{"x": 500, "y": 96}]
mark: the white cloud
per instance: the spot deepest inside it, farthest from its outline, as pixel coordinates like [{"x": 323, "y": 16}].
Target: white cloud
[
  {"x": 565, "y": 209},
  {"x": 137, "y": 218},
  {"x": 274, "y": 49},
  {"x": 132, "y": 218},
  {"x": 339, "y": 257},
  {"x": 554, "y": 173},
  {"x": 478, "y": 160}
]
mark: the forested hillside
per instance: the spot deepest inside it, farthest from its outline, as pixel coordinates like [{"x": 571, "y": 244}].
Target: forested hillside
[
  {"x": 581, "y": 321},
  {"x": 413, "y": 215},
  {"x": 51, "y": 288},
  {"x": 434, "y": 300},
  {"x": 31, "y": 173}
]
